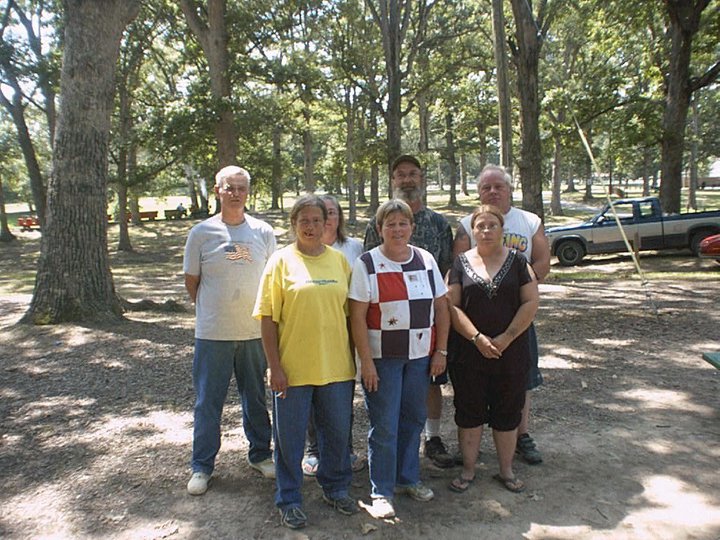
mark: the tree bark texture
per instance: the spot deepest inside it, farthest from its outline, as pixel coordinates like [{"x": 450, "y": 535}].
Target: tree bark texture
[
  {"x": 684, "y": 18},
  {"x": 74, "y": 282},
  {"x": 5, "y": 234},
  {"x": 503, "y": 87},
  {"x": 450, "y": 156},
  {"x": 350, "y": 109},
  {"x": 555, "y": 201},
  {"x": 213, "y": 37},
  {"x": 37, "y": 185},
  {"x": 276, "y": 188},
  {"x": 528, "y": 55}
]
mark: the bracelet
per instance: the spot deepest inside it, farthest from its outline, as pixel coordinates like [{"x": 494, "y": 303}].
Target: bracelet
[
  {"x": 442, "y": 352},
  {"x": 475, "y": 337}
]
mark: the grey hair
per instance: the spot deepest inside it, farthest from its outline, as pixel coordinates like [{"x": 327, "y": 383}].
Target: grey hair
[
  {"x": 496, "y": 169},
  {"x": 229, "y": 171}
]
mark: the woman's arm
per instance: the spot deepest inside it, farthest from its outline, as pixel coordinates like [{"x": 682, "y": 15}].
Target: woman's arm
[
  {"x": 529, "y": 301},
  {"x": 270, "y": 341},
  {"x": 438, "y": 361},
  {"x": 462, "y": 324},
  {"x": 358, "y": 323}
]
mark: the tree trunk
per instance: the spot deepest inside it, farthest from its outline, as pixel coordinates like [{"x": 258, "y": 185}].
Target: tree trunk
[
  {"x": 463, "y": 174},
  {"x": 213, "y": 38},
  {"x": 530, "y": 165},
  {"x": 5, "y": 234},
  {"x": 276, "y": 182},
  {"x": 74, "y": 282},
  {"x": 555, "y": 202},
  {"x": 308, "y": 166},
  {"x": 646, "y": 172},
  {"x": 374, "y": 170},
  {"x": 684, "y": 18},
  {"x": 695, "y": 137},
  {"x": 503, "y": 87},
  {"x": 350, "y": 155},
  {"x": 451, "y": 158},
  {"x": 37, "y": 184}
]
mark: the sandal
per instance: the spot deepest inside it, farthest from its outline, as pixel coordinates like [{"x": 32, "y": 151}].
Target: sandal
[
  {"x": 310, "y": 465},
  {"x": 513, "y": 484},
  {"x": 460, "y": 484}
]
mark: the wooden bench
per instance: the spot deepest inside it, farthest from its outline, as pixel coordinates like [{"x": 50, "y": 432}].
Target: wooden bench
[
  {"x": 712, "y": 358},
  {"x": 151, "y": 215},
  {"x": 175, "y": 214}
]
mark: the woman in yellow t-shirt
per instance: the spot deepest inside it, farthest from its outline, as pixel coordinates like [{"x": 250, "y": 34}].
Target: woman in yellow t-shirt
[{"x": 302, "y": 305}]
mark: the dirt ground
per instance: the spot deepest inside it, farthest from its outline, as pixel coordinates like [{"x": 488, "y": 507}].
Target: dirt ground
[{"x": 95, "y": 421}]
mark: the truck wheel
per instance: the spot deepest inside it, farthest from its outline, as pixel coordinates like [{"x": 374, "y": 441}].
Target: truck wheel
[
  {"x": 570, "y": 252},
  {"x": 696, "y": 239}
]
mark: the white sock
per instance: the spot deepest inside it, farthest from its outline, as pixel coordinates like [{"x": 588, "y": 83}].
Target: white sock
[{"x": 432, "y": 428}]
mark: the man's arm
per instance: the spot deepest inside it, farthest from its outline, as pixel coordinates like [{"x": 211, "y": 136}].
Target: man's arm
[
  {"x": 462, "y": 241},
  {"x": 540, "y": 254},
  {"x": 191, "y": 284}
]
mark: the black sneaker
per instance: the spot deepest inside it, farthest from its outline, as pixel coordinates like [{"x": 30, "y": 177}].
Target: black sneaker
[
  {"x": 345, "y": 505},
  {"x": 293, "y": 517},
  {"x": 436, "y": 451},
  {"x": 527, "y": 449}
]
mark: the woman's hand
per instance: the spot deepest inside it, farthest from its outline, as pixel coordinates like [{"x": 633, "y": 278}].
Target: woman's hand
[
  {"x": 502, "y": 341},
  {"x": 369, "y": 375},
  {"x": 438, "y": 363},
  {"x": 486, "y": 347},
  {"x": 278, "y": 382}
]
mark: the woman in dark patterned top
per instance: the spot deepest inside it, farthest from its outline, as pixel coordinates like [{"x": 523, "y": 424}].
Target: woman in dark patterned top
[{"x": 493, "y": 296}]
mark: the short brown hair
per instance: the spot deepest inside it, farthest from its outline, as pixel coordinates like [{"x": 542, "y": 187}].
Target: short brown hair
[
  {"x": 341, "y": 235},
  {"x": 486, "y": 209},
  {"x": 393, "y": 205},
  {"x": 304, "y": 202}
]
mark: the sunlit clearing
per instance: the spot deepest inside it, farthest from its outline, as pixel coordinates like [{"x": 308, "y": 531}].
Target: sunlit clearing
[
  {"x": 157, "y": 427},
  {"x": 664, "y": 399},
  {"x": 71, "y": 407},
  {"x": 672, "y": 503},
  {"x": 560, "y": 359},
  {"x": 604, "y": 342}
]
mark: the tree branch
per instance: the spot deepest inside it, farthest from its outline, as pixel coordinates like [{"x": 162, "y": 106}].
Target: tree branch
[{"x": 710, "y": 76}]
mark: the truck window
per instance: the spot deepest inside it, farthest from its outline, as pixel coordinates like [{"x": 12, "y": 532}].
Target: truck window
[{"x": 646, "y": 210}]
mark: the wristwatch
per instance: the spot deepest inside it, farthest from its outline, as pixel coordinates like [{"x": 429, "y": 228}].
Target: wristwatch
[{"x": 441, "y": 351}]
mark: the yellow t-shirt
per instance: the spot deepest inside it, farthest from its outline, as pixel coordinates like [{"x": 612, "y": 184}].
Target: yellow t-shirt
[{"x": 307, "y": 297}]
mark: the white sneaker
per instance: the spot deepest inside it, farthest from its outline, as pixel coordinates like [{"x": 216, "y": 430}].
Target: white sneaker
[
  {"x": 381, "y": 508},
  {"x": 198, "y": 483},
  {"x": 266, "y": 467}
]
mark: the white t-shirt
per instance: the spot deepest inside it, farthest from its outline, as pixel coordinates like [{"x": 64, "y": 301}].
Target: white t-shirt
[
  {"x": 352, "y": 248},
  {"x": 520, "y": 226},
  {"x": 229, "y": 260}
]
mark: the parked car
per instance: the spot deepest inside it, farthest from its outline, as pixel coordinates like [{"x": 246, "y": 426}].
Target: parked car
[
  {"x": 710, "y": 247},
  {"x": 645, "y": 226}
]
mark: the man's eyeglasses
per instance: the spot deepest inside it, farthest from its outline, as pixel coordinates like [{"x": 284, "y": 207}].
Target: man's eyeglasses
[{"x": 413, "y": 175}]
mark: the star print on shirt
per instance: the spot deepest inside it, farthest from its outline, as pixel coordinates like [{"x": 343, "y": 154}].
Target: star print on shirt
[{"x": 393, "y": 321}]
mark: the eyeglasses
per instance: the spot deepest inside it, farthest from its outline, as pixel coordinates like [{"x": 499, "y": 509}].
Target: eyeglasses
[
  {"x": 227, "y": 188},
  {"x": 413, "y": 175}
]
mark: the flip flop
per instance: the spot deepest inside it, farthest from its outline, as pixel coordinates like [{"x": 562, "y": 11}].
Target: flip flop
[
  {"x": 513, "y": 484},
  {"x": 460, "y": 484}
]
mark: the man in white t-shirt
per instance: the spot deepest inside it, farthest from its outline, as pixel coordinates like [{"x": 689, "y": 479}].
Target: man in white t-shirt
[
  {"x": 524, "y": 232},
  {"x": 224, "y": 259}
]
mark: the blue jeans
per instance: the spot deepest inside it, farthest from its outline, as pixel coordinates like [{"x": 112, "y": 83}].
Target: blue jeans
[
  {"x": 397, "y": 412},
  {"x": 213, "y": 365},
  {"x": 331, "y": 404}
]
